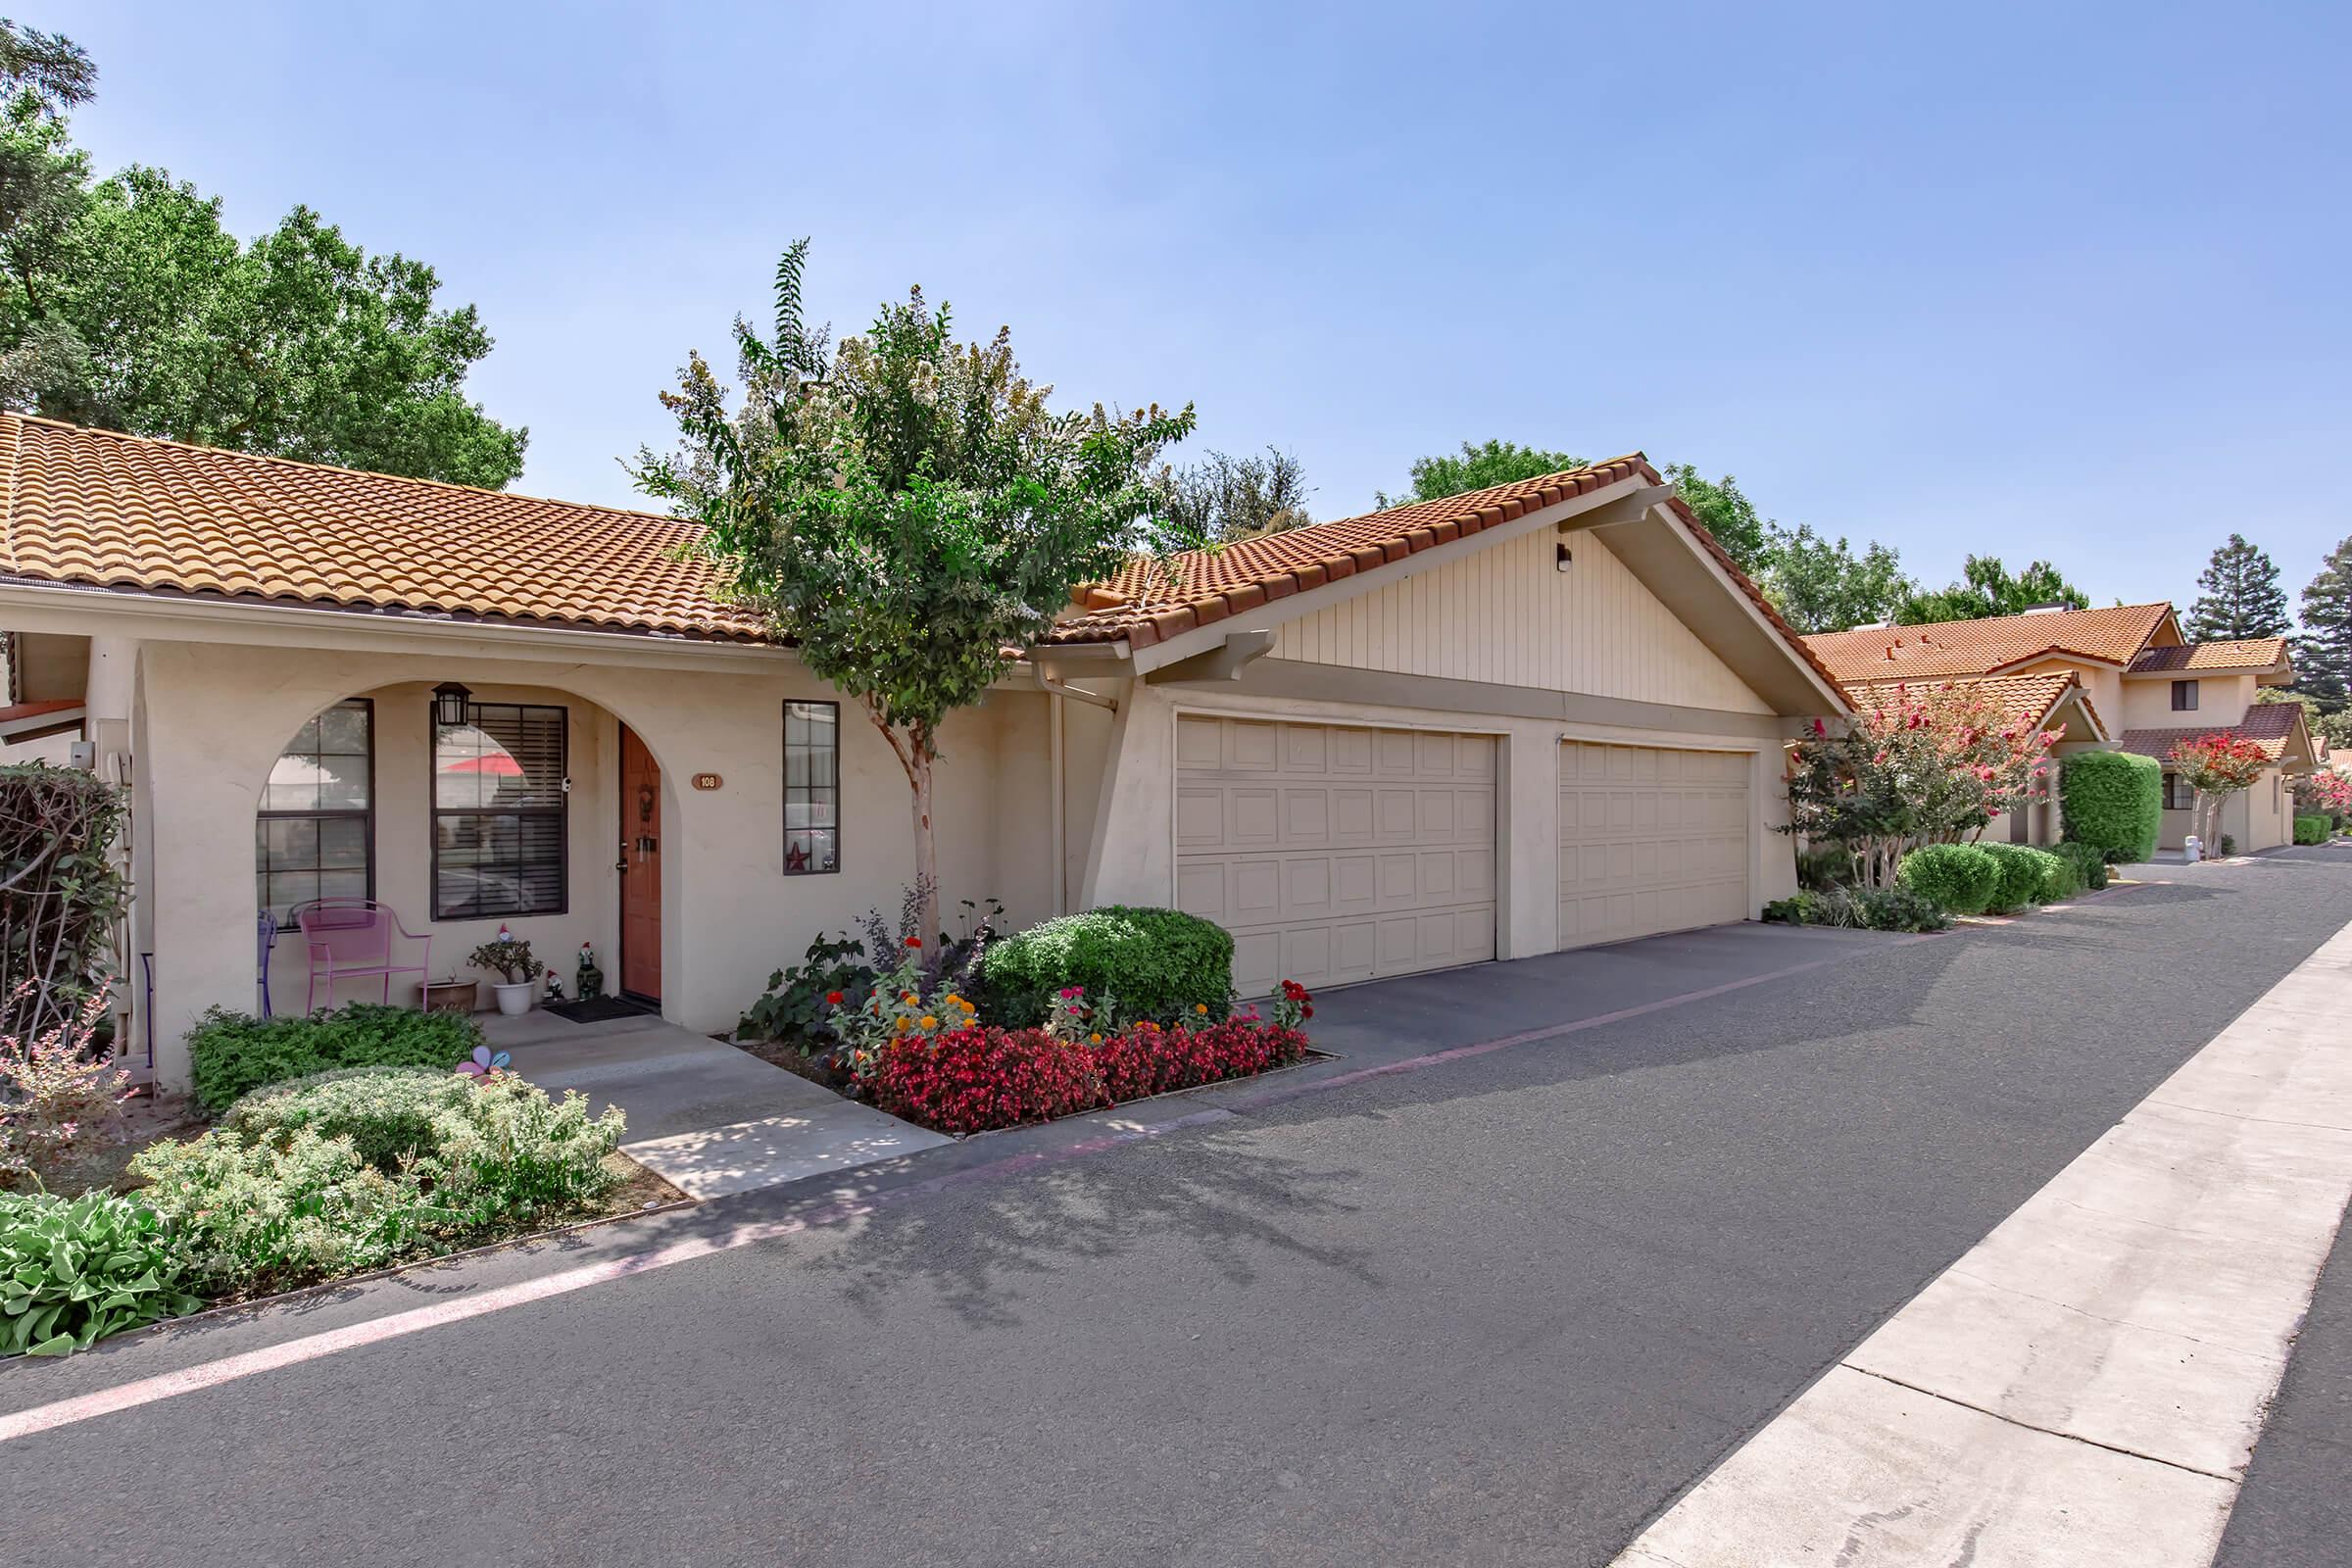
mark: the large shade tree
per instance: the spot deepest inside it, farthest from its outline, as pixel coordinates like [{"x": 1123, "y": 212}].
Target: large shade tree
[
  {"x": 2239, "y": 598},
  {"x": 2324, "y": 652},
  {"x": 1478, "y": 466},
  {"x": 1224, "y": 498},
  {"x": 128, "y": 304},
  {"x": 905, "y": 508},
  {"x": 1988, "y": 588}
]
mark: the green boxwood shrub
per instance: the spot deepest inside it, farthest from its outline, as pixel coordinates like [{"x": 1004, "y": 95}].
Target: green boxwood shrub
[
  {"x": 73, "y": 1270},
  {"x": 1149, "y": 963},
  {"x": 2310, "y": 829},
  {"x": 233, "y": 1054},
  {"x": 2022, "y": 869},
  {"x": 2090, "y": 865},
  {"x": 2113, "y": 802},
  {"x": 1960, "y": 878}
]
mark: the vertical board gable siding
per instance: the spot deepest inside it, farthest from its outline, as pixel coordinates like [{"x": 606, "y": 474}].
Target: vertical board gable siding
[{"x": 1506, "y": 616}]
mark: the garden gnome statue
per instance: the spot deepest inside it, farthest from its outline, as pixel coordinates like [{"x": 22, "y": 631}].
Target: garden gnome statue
[
  {"x": 555, "y": 987},
  {"x": 588, "y": 982}
]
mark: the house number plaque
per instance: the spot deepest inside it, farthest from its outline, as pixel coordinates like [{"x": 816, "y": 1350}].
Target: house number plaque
[{"x": 708, "y": 781}]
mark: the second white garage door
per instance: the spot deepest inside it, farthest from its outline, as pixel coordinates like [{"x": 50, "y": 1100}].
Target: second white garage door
[
  {"x": 1336, "y": 853},
  {"x": 1650, "y": 840}
]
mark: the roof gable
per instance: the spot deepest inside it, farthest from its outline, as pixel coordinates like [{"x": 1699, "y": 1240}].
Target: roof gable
[
  {"x": 2026, "y": 699},
  {"x": 2255, "y": 653}
]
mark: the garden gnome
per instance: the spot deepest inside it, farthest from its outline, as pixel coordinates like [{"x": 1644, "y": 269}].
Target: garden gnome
[{"x": 589, "y": 981}]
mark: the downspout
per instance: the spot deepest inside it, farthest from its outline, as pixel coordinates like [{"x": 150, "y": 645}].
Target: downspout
[{"x": 1055, "y": 707}]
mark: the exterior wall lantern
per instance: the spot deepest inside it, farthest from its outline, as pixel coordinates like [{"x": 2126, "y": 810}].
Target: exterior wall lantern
[{"x": 452, "y": 704}]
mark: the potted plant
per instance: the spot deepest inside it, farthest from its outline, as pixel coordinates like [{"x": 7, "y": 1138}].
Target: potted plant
[{"x": 512, "y": 959}]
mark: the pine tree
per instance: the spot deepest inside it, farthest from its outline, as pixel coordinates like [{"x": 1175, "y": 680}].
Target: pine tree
[
  {"x": 2241, "y": 598},
  {"x": 2324, "y": 652}
]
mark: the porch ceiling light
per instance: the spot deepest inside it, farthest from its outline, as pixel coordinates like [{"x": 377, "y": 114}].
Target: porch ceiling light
[{"x": 453, "y": 704}]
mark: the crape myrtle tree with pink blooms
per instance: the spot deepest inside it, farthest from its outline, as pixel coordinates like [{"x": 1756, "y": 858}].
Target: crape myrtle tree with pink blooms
[
  {"x": 2216, "y": 766},
  {"x": 1919, "y": 765}
]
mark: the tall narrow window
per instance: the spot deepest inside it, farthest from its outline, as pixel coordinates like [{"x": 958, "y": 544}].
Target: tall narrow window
[
  {"x": 2184, "y": 696},
  {"x": 499, "y": 813},
  {"x": 2178, "y": 795},
  {"x": 314, "y": 834},
  {"x": 812, "y": 788}
]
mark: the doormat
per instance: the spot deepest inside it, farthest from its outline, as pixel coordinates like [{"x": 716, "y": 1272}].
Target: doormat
[{"x": 596, "y": 1010}]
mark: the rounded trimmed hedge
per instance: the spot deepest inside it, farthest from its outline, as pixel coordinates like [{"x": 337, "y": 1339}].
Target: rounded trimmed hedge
[
  {"x": 1960, "y": 878},
  {"x": 2310, "y": 829},
  {"x": 2113, "y": 802},
  {"x": 1152, "y": 964},
  {"x": 2028, "y": 875},
  {"x": 2090, "y": 866}
]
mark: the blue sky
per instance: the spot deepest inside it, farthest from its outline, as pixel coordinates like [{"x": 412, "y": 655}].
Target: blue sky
[{"x": 2057, "y": 280}]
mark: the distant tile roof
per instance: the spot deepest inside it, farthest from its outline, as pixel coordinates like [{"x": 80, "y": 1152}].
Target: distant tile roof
[
  {"x": 84, "y": 506},
  {"x": 2027, "y": 699},
  {"x": 1145, "y": 604},
  {"x": 2114, "y": 636},
  {"x": 2269, "y": 725},
  {"x": 2260, "y": 653}
]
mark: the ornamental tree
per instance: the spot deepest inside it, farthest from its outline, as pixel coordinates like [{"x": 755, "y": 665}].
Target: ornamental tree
[
  {"x": 2325, "y": 793},
  {"x": 1919, "y": 765},
  {"x": 904, "y": 509},
  {"x": 2216, "y": 766}
]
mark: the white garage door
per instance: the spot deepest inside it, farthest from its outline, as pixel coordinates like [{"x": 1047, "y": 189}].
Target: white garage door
[
  {"x": 1650, "y": 840},
  {"x": 1334, "y": 854}
]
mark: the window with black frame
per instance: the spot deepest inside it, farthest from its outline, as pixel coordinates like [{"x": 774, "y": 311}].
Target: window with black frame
[
  {"x": 499, "y": 819},
  {"x": 314, "y": 836},
  {"x": 2179, "y": 794},
  {"x": 812, "y": 788}
]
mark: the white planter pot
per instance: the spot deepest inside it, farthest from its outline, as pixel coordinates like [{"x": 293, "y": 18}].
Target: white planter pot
[{"x": 515, "y": 1000}]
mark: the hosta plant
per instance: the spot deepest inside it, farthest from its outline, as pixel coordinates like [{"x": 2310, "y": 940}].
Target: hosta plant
[{"x": 73, "y": 1270}]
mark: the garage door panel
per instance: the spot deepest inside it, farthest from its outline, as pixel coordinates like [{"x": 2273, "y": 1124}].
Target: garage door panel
[
  {"x": 1651, "y": 838},
  {"x": 1335, "y": 853}
]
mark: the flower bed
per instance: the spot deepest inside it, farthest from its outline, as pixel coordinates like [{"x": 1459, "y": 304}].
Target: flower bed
[{"x": 978, "y": 1078}]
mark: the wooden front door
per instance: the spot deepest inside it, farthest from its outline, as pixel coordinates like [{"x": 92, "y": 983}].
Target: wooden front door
[{"x": 640, "y": 870}]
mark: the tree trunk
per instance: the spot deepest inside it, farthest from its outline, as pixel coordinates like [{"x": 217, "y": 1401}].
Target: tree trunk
[{"x": 926, "y": 857}]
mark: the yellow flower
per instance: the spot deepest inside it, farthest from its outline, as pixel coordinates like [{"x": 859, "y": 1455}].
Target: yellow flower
[
  {"x": 1094, "y": 1039},
  {"x": 1201, "y": 1007},
  {"x": 965, "y": 1005},
  {"x": 910, "y": 999},
  {"x": 898, "y": 1027},
  {"x": 930, "y": 1020}
]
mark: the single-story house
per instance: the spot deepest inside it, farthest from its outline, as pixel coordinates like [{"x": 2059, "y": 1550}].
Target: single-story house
[
  {"x": 1526, "y": 719},
  {"x": 2126, "y": 665}
]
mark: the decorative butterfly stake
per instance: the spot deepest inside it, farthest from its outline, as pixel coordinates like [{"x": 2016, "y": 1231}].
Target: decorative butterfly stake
[{"x": 483, "y": 1063}]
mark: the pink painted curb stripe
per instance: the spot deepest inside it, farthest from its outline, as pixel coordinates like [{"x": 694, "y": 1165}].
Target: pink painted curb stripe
[{"x": 397, "y": 1325}]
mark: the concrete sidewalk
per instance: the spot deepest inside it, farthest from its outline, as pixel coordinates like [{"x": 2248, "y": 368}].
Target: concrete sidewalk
[
  {"x": 709, "y": 1118},
  {"x": 2086, "y": 1386}
]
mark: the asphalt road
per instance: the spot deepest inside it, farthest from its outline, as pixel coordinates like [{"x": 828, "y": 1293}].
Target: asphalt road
[{"x": 1498, "y": 1310}]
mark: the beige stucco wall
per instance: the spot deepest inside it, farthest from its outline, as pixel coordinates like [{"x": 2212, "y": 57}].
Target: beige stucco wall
[
  {"x": 2260, "y": 817},
  {"x": 214, "y": 717},
  {"x": 2221, "y": 700},
  {"x": 1505, "y": 616}
]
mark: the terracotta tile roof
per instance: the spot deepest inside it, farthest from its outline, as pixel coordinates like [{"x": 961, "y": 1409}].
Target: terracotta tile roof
[
  {"x": 2027, "y": 699},
  {"x": 2113, "y": 636},
  {"x": 1147, "y": 603},
  {"x": 2261, "y": 652},
  {"x": 95, "y": 506},
  {"x": 2269, "y": 725}
]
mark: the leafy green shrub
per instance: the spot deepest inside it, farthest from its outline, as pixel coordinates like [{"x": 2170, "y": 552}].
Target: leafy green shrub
[
  {"x": 73, "y": 1270},
  {"x": 1798, "y": 910},
  {"x": 233, "y": 1054},
  {"x": 1895, "y": 909},
  {"x": 1960, "y": 878},
  {"x": 1152, "y": 964},
  {"x": 2228, "y": 846},
  {"x": 1823, "y": 866},
  {"x": 280, "y": 1194},
  {"x": 2022, "y": 871},
  {"x": 2090, "y": 865},
  {"x": 798, "y": 1006},
  {"x": 2113, "y": 802},
  {"x": 2311, "y": 831}
]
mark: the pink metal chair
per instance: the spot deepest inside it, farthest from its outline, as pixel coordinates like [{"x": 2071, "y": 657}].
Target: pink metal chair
[{"x": 352, "y": 939}]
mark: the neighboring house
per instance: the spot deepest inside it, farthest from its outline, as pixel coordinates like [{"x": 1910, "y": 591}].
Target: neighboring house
[
  {"x": 41, "y": 679},
  {"x": 1531, "y": 717},
  {"x": 2128, "y": 683}
]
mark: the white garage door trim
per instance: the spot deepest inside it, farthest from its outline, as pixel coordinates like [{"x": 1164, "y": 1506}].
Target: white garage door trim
[
  {"x": 1652, "y": 839},
  {"x": 1337, "y": 851}
]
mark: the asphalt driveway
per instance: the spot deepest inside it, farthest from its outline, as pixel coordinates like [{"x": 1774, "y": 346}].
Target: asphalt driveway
[{"x": 1497, "y": 1308}]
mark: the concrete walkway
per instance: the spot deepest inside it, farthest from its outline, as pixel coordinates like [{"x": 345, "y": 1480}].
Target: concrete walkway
[
  {"x": 709, "y": 1118},
  {"x": 2086, "y": 1386}
]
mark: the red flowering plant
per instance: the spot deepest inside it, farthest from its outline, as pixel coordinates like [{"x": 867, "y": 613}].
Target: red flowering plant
[
  {"x": 2325, "y": 793},
  {"x": 2216, "y": 766},
  {"x": 60, "y": 1096},
  {"x": 1918, "y": 765}
]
